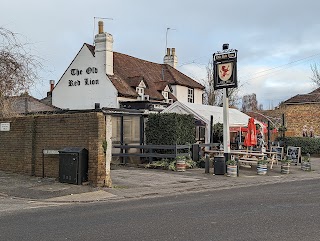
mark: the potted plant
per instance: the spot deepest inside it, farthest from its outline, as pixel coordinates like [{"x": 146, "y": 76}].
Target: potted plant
[
  {"x": 262, "y": 166},
  {"x": 232, "y": 168},
  {"x": 285, "y": 165},
  {"x": 306, "y": 164},
  {"x": 180, "y": 163}
]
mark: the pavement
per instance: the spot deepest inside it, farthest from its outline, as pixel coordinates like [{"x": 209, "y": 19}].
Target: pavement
[{"x": 131, "y": 182}]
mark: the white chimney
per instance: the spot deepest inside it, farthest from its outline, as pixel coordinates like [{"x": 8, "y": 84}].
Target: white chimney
[
  {"x": 104, "y": 49},
  {"x": 171, "y": 58}
]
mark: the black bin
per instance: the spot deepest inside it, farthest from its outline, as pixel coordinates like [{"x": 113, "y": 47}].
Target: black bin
[
  {"x": 219, "y": 165},
  {"x": 73, "y": 165},
  {"x": 195, "y": 152}
]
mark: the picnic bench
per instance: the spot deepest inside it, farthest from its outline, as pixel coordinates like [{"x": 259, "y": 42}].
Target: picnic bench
[
  {"x": 248, "y": 161},
  {"x": 252, "y": 157}
]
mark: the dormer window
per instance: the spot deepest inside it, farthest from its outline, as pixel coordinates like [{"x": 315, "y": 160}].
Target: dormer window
[
  {"x": 165, "y": 94},
  {"x": 140, "y": 90}
]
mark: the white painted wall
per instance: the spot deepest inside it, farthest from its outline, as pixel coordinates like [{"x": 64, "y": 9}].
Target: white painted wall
[
  {"x": 120, "y": 99},
  {"x": 72, "y": 91},
  {"x": 198, "y": 96},
  {"x": 181, "y": 93}
]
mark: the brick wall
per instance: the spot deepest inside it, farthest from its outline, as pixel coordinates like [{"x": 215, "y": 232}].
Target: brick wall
[
  {"x": 296, "y": 116},
  {"x": 21, "y": 147}
]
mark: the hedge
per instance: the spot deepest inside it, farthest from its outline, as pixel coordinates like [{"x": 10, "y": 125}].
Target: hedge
[
  {"x": 170, "y": 129},
  {"x": 307, "y": 144}
]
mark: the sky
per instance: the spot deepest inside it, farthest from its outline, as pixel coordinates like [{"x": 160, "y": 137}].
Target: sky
[{"x": 277, "y": 41}]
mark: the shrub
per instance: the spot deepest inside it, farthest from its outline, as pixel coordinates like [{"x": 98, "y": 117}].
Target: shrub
[
  {"x": 307, "y": 144},
  {"x": 170, "y": 129}
]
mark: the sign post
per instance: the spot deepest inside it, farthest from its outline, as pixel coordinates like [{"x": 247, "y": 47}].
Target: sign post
[
  {"x": 226, "y": 129},
  {"x": 225, "y": 76}
]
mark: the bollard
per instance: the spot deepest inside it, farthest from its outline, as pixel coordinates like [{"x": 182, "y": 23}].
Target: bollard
[{"x": 206, "y": 166}]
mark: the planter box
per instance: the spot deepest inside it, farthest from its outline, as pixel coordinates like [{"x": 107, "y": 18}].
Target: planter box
[
  {"x": 232, "y": 170},
  {"x": 262, "y": 169},
  {"x": 306, "y": 166},
  {"x": 285, "y": 168}
]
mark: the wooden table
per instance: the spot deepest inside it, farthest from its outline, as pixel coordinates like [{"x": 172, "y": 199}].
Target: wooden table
[
  {"x": 272, "y": 157},
  {"x": 219, "y": 152},
  {"x": 240, "y": 154},
  {"x": 248, "y": 158}
]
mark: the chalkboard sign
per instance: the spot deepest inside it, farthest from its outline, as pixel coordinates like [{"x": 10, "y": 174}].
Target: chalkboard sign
[
  {"x": 279, "y": 151},
  {"x": 294, "y": 153}
]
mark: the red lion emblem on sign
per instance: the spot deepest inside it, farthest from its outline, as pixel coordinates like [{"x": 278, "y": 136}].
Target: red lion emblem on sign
[{"x": 224, "y": 71}]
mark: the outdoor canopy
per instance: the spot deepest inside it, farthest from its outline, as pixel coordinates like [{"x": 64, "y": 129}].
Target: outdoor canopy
[{"x": 204, "y": 113}]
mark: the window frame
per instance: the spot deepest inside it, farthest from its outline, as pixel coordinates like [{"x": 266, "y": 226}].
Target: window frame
[{"x": 190, "y": 95}]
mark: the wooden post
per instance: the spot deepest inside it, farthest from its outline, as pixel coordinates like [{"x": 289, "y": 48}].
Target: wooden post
[
  {"x": 207, "y": 164},
  {"x": 121, "y": 137},
  {"x": 269, "y": 141},
  {"x": 150, "y": 152},
  {"x": 126, "y": 150},
  {"x": 283, "y": 124},
  {"x": 211, "y": 131}
]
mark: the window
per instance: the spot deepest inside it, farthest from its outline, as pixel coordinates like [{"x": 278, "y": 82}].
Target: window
[
  {"x": 165, "y": 94},
  {"x": 200, "y": 133},
  {"x": 115, "y": 130},
  {"x": 131, "y": 129},
  {"x": 190, "y": 95},
  {"x": 140, "y": 90}
]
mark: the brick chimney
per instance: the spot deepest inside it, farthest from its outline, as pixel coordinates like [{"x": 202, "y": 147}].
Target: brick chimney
[
  {"x": 104, "y": 49},
  {"x": 51, "y": 85},
  {"x": 49, "y": 93},
  {"x": 171, "y": 58}
]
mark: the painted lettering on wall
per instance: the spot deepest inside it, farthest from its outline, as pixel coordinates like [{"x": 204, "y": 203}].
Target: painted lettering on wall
[
  {"x": 91, "y": 70},
  {"x": 87, "y": 81},
  {"x": 74, "y": 82},
  {"x": 76, "y": 72},
  {"x": 91, "y": 81}
]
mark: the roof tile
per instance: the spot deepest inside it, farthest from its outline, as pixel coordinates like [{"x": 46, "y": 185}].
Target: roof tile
[{"x": 129, "y": 71}]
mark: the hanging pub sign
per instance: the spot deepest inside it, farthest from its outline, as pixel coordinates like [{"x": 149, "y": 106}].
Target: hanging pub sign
[{"x": 225, "y": 69}]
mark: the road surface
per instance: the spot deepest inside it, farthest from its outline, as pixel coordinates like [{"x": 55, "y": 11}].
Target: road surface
[{"x": 285, "y": 211}]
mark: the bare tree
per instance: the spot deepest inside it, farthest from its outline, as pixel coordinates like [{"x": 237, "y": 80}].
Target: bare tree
[
  {"x": 250, "y": 103},
  {"x": 18, "y": 69},
  {"x": 215, "y": 97},
  {"x": 211, "y": 96},
  {"x": 315, "y": 74}
]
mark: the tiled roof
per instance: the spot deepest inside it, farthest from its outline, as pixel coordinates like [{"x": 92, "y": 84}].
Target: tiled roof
[
  {"x": 134, "y": 81},
  {"x": 312, "y": 97},
  {"x": 128, "y": 71},
  {"x": 316, "y": 91},
  {"x": 161, "y": 85},
  {"x": 265, "y": 115},
  {"x": 153, "y": 93},
  {"x": 124, "y": 89},
  {"x": 27, "y": 104}
]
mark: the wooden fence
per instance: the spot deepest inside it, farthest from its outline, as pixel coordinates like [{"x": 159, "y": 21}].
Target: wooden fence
[
  {"x": 198, "y": 150},
  {"x": 151, "y": 151}
]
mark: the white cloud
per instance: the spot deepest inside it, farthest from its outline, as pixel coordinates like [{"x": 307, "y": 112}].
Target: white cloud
[{"x": 266, "y": 33}]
